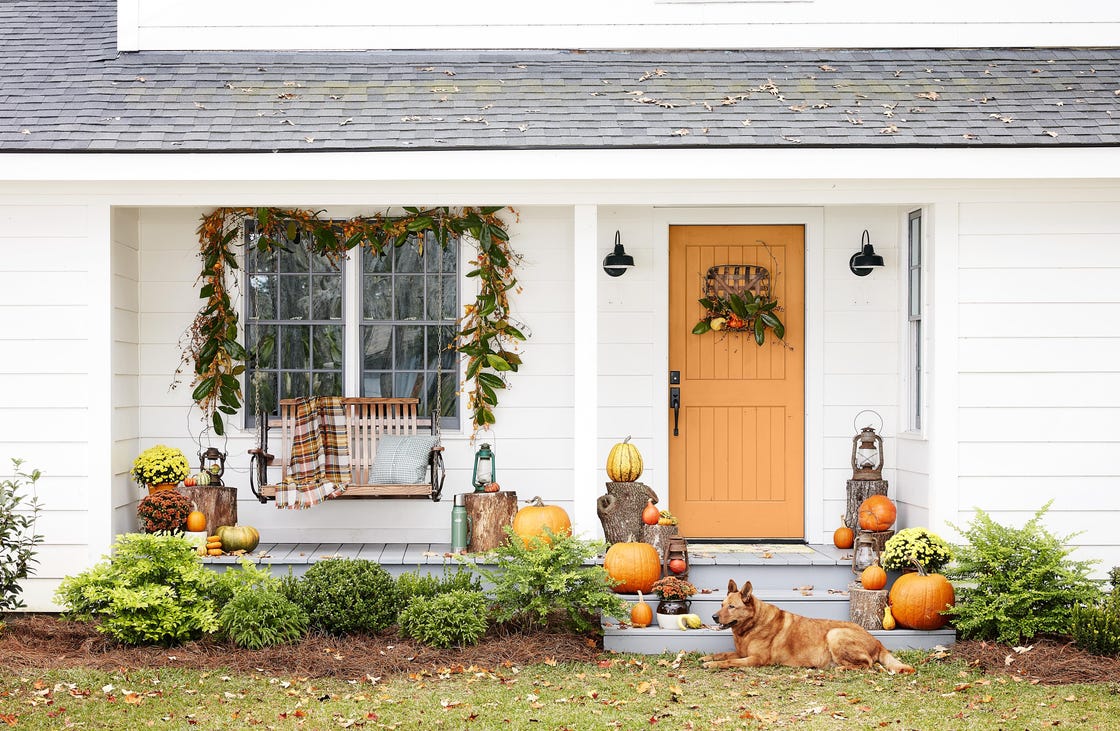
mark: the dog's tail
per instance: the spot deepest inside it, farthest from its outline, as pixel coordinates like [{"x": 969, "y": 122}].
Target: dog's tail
[{"x": 892, "y": 663}]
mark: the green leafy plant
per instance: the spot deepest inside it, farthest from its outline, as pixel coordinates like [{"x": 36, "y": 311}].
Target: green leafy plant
[
  {"x": 538, "y": 583},
  {"x": 152, "y": 590},
  {"x": 165, "y": 510},
  {"x": 345, "y": 596},
  {"x": 262, "y": 618},
  {"x": 451, "y": 619},
  {"x": 160, "y": 464},
  {"x": 413, "y": 584},
  {"x": 1016, "y": 583},
  {"x": 488, "y": 335},
  {"x": 1096, "y": 627},
  {"x": 18, "y": 539},
  {"x": 247, "y": 578},
  {"x": 920, "y": 545},
  {"x": 748, "y": 312}
]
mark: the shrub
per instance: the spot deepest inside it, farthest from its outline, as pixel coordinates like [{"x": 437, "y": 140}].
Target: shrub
[
  {"x": 153, "y": 590},
  {"x": 262, "y": 618},
  {"x": 18, "y": 538},
  {"x": 916, "y": 544},
  {"x": 347, "y": 595},
  {"x": 452, "y": 619},
  {"x": 1019, "y": 582},
  {"x": 413, "y": 584},
  {"x": 541, "y": 583},
  {"x": 249, "y": 578},
  {"x": 166, "y": 510},
  {"x": 1096, "y": 627}
]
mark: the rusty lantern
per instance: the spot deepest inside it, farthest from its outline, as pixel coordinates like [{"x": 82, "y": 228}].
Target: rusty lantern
[
  {"x": 213, "y": 462},
  {"x": 867, "y": 454}
]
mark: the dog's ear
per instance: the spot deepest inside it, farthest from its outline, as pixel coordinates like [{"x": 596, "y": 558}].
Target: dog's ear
[
  {"x": 731, "y": 587},
  {"x": 747, "y": 588}
]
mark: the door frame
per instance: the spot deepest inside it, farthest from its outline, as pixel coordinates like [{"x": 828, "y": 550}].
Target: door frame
[{"x": 812, "y": 218}]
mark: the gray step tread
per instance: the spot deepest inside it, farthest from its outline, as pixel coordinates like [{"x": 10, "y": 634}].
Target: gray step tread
[{"x": 710, "y": 638}]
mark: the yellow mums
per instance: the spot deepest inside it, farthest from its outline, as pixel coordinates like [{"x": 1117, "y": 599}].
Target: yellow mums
[{"x": 160, "y": 464}]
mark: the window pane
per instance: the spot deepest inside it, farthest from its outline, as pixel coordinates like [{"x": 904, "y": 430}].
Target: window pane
[
  {"x": 442, "y": 290},
  {"x": 437, "y": 259},
  {"x": 260, "y": 261},
  {"x": 295, "y": 259},
  {"x": 262, "y": 390},
  {"x": 377, "y": 297},
  {"x": 377, "y": 384},
  {"x": 407, "y": 258},
  {"x": 915, "y": 293},
  {"x": 326, "y": 383},
  {"x": 328, "y": 346},
  {"x": 408, "y": 385},
  {"x": 262, "y": 297},
  {"x": 377, "y": 347},
  {"x": 293, "y": 385},
  {"x": 439, "y": 338},
  {"x": 447, "y": 397},
  {"x": 295, "y": 300},
  {"x": 326, "y": 297},
  {"x": 915, "y": 241},
  {"x": 409, "y": 351},
  {"x": 295, "y": 348},
  {"x": 260, "y": 341},
  {"x": 410, "y": 298},
  {"x": 375, "y": 263}
]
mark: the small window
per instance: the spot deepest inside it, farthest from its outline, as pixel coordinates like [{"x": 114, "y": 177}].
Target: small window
[{"x": 914, "y": 315}]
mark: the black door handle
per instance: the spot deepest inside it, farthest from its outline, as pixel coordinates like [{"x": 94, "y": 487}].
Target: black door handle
[{"x": 675, "y": 405}]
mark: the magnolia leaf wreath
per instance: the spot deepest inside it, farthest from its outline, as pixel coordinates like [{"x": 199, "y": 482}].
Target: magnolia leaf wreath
[
  {"x": 487, "y": 337},
  {"x": 741, "y": 305}
]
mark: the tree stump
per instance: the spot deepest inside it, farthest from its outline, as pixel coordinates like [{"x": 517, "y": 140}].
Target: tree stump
[
  {"x": 658, "y": 536},
  {"x": 490, "y": 513},
  {"x": 620, "y": 510},
  {"x": 858, "y": 491},
  {"x": 878, "y": 538},
  {"x": 217, "y": 503},
  {"x": 865, "y": 606}
]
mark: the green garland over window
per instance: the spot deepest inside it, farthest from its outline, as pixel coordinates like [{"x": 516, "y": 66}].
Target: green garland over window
[{"x": 486, "y": 336}]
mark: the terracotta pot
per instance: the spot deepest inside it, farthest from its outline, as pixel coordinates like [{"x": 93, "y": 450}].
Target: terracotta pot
[{"x": 153, "y": 489}]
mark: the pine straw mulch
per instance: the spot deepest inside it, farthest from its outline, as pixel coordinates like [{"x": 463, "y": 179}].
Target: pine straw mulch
[{"x": 38, "y": 642}]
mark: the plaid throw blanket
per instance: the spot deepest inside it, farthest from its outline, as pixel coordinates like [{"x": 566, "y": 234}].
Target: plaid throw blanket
[{"x": 319, "y": 467}]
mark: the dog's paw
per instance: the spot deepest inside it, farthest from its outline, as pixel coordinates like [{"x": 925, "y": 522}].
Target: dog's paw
[
  {"x": 705, "y": 658},
  {"x": 711, "y": 664}
]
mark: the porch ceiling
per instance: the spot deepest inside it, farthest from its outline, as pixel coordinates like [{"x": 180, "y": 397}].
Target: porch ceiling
[{"x": 65, "y": 88}]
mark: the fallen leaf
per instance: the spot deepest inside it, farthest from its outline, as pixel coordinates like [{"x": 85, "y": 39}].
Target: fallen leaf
[
  {"x": 892, "y": 129},
  {"x": 931, "y": 95},
  {"x": 681, "y": 132},
  {"x": 825, "y": 67}
]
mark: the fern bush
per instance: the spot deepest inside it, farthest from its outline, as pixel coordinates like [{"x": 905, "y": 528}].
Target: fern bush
[
  {"x": 540, "y": 584},
  {"x": 262, "y": 618},
  {"x": 1096, "y": 627},
  {"x": 452, "y": 619},
  {"x": 1015, "y": 583},
  {"x": 346, "y": 596},
  {"x": 153, "y": 590},
  {"x": 413, "y": 584}
]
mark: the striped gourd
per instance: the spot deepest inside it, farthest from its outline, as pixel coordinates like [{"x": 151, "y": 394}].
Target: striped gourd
[{"x": 624, "y": 463}]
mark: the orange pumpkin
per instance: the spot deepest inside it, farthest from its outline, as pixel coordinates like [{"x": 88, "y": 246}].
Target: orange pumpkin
[
  {"x": 641, "y": 614},
  {"x": 917, "y": 600},
  {"x": 533, "y": 520},
  {"x": 633, "y": 565},
  {"x": 196, "y": 521},
  {"x": 873, "y": 577},
  {"x": 877, "y": 513},
  {"x": 650, "y": 513},
  {"x": 843, "y": 537}
]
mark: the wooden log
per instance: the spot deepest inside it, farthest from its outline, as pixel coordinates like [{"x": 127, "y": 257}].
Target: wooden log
[
  {"x": 620, "y": 510},
  {"x": 858, "y": 491},
  {"x": 217, "y": 503},
  {"x": 489, "y": 513},
  {"x": 865, "y": 606},
  {"x": 658, "y": 536},
  {"x": 878, "y": 538}
]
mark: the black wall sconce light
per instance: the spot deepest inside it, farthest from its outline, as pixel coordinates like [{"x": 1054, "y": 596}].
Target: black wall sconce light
[
  {"x": 864, "y": 260},
  {"x": 618, "y": 261}
]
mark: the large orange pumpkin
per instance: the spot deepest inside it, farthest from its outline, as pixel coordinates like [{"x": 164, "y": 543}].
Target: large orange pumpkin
[
  {"x": 624, "y": 463},
  {"x": 917, "y": 600},
  {"x": 633, "y": 565},
  {"x": 877, "y": 513},
  {"x": 532, "y": 520}
]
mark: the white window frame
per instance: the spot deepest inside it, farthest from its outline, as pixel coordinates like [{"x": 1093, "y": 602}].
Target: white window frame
[{"x": 915, "y": 331}]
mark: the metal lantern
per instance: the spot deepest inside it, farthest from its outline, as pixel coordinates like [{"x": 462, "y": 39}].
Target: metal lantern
[
  {"x": 864, "y": 554},
  {"x": 867, "y": 455},
  {"x": 484, "y": 471},
  {"x": 213, "y": 462}
]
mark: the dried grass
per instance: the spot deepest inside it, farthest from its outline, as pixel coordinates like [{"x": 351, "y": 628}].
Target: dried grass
[{"x": 1050, "y": 661}]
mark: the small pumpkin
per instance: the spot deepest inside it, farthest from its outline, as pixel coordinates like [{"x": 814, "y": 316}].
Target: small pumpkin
[
  {"x": 888, "y": 618},
  {"x": 196, "y": 521},
  {"x": 917, "y": 599},
  {"x": 641, "y": 614},
  {"x": 873, "y": 577},
  {"x": 238, "y": 537},
  {"x": 678, "y": 565},
  {"x": 634, "y": 565},
  {"x": 532, "y": 521},
  {"x": 877, "y": 513},
  {"x": 843, "y": 537},
  {"x": 650, "y": 513},
  {"x": 624, "y": 463}
]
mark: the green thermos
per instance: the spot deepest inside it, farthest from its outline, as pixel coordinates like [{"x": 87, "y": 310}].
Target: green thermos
[{"x": 460, "y": 525}]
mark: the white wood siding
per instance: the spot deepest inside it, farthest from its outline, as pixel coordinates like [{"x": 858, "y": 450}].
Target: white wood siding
[
  {"x": 1040, "y": 366},
  {"x": 350, "y": 24},
  {"x": 126, "y": 365}
]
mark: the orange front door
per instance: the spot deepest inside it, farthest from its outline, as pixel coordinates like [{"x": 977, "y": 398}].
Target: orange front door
[{"x": 736, "y": 463}]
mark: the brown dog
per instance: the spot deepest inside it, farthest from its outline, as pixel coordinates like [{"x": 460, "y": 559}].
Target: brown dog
[{"x": 766, "y": 635}]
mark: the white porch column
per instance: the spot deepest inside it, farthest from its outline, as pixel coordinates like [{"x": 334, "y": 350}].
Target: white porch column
[
  {"x": 99, "y": 507},
  {"x": 943, "y": 399},
  {"x": 585, "y": 370}
]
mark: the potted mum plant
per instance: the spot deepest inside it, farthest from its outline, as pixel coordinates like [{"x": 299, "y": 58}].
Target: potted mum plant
[
  {"x": 160, "y": 468},
  {"x": 163, "y": 511},
  {"x": 916, "y": 545},
  {"x": 673, "y": 599}
]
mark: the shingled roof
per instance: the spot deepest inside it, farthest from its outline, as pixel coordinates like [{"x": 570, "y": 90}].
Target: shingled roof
[{"x": 65, "y": 88}]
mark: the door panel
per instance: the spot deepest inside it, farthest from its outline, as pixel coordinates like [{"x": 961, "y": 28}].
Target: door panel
[{"x": 736, "y": 469}]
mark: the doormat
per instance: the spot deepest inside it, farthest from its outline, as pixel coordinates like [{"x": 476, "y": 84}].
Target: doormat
[{"x": 772, "y": 548}]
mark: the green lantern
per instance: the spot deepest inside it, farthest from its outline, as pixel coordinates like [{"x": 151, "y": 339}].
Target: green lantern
[{"x": 483, "y": 468}]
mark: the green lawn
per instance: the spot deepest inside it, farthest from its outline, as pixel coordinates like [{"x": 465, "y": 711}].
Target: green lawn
[{"x": 630, "y": 692}]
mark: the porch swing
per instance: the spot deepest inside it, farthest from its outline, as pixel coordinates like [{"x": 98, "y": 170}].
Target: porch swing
[{"x": 367, "y": 421}]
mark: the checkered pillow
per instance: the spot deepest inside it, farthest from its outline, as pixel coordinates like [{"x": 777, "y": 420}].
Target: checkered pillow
[{"x": 401, "y": 460}]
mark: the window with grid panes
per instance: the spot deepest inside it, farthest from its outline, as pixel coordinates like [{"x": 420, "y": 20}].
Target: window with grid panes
[
  {"x": 914, "y": 316},
  {"x": 296, "y": 326}
]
